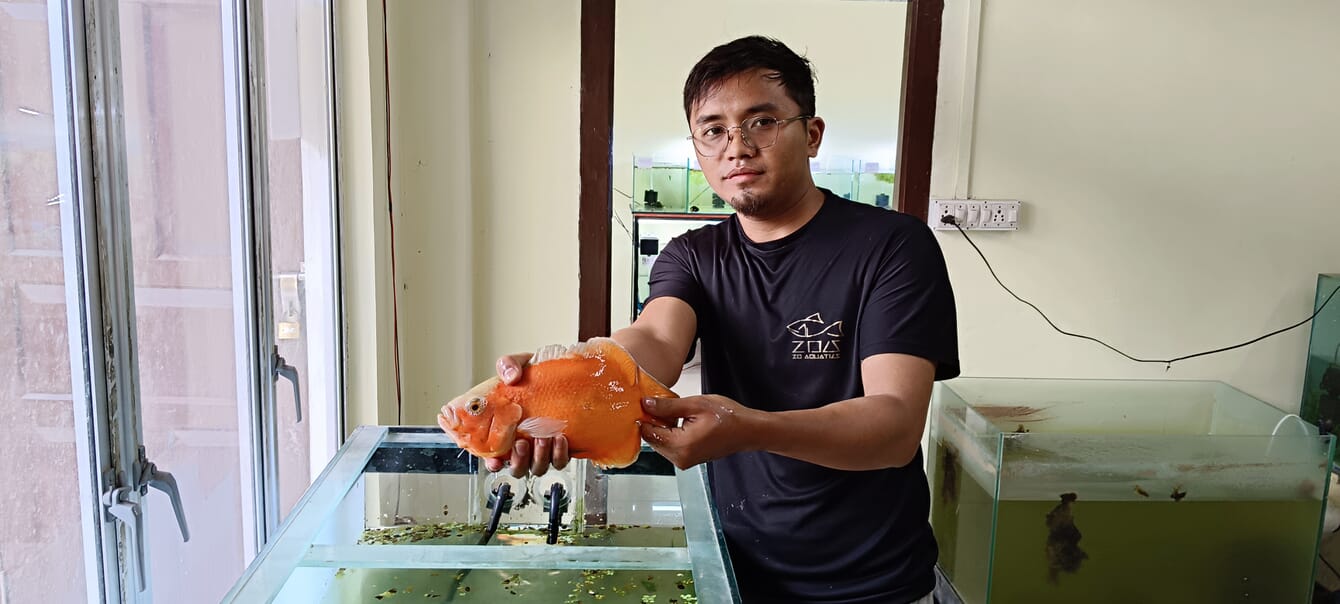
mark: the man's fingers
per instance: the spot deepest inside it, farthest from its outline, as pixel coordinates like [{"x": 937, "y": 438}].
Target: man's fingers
[
  {"x": 539, "y": 461},
  {"x": 655, "y": 435},
  {"x": 494, "y": 464},
  {"x": 509, "y": 367},
  {"x": 520, "y": 458},
  {"x": 666, "y": 408},
  {"x": 561, "y": 458}
]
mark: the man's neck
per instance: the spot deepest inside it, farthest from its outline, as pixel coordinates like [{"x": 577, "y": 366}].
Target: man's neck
[{"x": 772, "y": 228}]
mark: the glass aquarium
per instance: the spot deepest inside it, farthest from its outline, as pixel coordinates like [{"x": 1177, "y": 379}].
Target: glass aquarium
[
  {"x": 402, "y": 514},
  {"x": 875, "y": 186},
  {"x": 1050, "y": 490},
  {"x": 1321, "y": 382},
  {"x": 679, "y": 187},
  {"x": 837, "y": 175},
  {"x": 651, "y": 233}
]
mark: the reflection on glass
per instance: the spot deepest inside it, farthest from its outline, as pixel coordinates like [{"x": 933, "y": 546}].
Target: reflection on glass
[
  {"x": 172, "y": 77},
  {"x": 41, "y": 542},
  {"x": 300, "y": 232}
]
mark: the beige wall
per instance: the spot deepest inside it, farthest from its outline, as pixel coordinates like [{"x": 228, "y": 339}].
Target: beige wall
[
  {"x": 484, "y": 179},
  {"x": 1180, "y": 176},
  {"x": 1157, "y": 148},
  {"x": 856, "y": 49}
]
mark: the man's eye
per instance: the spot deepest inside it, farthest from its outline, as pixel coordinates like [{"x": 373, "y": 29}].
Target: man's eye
[
  {"x": 712, "y": 132},
  {"x": 763, "y": 121}
]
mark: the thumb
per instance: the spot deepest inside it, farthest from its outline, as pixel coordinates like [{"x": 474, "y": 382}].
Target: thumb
[{"x": 665, "y": 408}]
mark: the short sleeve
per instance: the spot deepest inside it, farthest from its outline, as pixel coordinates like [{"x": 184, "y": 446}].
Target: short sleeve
[
  {"x": 675, "y": 275},
  {"x": 910, "y": 305}
]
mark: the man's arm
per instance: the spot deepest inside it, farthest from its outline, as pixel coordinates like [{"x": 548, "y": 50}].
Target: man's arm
[
  {"x": 879, "y": 430},
  {"x": 660, "y": 338}
]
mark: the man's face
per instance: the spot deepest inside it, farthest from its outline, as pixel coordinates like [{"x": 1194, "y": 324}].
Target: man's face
[{"x": 758, "y": 183}]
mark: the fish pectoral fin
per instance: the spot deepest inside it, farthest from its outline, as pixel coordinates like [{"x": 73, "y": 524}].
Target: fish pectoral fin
[{"x": 542, "y": 427}]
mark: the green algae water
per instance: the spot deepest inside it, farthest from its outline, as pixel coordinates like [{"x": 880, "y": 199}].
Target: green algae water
[
  {"x": 490, "y": 586},
  {"x": 1152, "y": 547}
]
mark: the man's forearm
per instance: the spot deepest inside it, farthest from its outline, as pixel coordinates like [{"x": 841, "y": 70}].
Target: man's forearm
[
  {"x": 866, "y": 433},
  {"x": 654, "y": 356}
]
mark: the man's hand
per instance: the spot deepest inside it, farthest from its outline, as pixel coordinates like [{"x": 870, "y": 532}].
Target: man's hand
[
  {"x": 547, "y": 451},
  {"x": 713, "y": 427}
]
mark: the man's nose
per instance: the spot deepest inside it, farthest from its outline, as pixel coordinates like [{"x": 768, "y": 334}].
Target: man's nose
[{"x": 736, "y": 146}]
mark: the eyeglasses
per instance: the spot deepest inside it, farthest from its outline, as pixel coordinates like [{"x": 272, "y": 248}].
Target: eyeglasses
[{"x": 756, "y": 132}]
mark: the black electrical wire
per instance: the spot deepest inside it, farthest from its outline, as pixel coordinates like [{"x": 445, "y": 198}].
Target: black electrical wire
[
  {"x": 1167, "y": 362},
  {"x": 390, "y": 210}
]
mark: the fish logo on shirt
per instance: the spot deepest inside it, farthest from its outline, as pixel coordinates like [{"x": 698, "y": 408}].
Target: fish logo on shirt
[
  {"x": 813, "y": 326},
  {"x": 816, "y": 338}
]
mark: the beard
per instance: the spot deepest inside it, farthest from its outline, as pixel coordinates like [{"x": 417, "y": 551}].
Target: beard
[{"x": 749, "y": 204}]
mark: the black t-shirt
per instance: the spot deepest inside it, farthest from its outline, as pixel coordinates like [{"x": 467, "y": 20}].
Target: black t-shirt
[{"x": 784, "y": 325}]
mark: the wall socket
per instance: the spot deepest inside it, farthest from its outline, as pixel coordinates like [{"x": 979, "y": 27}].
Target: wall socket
[{"x": 974, "y": 214}]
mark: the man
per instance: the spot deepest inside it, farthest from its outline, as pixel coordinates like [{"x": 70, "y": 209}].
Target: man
[{"x": 823, "y": 324}]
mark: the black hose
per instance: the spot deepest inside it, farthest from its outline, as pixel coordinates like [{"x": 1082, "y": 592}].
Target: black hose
[
  {"x": 557, "y": 505},
  {"x": 501, "y": 501}
]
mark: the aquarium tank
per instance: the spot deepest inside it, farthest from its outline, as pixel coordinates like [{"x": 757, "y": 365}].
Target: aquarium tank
[
  {"x": 1321, "y": 380},
  {"x": 403, "y": 515},
  {"x": 1052, "y": 490},
  {"x": 679, "y": 186}
]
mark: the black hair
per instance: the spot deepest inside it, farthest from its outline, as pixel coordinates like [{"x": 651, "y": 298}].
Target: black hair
[{"x": 749, "y": 53}]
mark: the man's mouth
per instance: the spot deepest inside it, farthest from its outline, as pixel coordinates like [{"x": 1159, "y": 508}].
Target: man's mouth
[{"x": 742, "y": 174}]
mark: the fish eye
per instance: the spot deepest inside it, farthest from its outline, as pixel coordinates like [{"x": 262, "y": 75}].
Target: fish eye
[{"x": 475, "y": 406}]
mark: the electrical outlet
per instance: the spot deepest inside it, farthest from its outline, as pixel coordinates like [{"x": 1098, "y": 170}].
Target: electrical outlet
[{"x": 974, "y": 214}]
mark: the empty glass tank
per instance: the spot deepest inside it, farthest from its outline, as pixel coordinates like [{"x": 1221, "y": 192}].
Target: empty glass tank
[
  {"x": 401, "y": 514},
  {"x": 1321, "y": 382},
  {"x": 1123, "y": 491}
]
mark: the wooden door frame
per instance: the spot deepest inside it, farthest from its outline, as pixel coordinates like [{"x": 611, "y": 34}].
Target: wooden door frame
[{"x": 916, "y": 132}]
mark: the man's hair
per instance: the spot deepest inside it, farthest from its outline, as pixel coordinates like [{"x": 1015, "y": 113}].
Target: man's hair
[{"x": 746, "y": 54}]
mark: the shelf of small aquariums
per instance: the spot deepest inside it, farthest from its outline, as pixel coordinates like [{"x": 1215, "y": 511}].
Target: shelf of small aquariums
[
  {"x": 681, "y": 187},
  {"x": 401, "y": 511}
]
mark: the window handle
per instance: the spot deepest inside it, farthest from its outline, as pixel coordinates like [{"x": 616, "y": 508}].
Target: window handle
[
  {"x": 119, "y": 505},
  {"x": 289, "y": 372},
  {"x": 165, "y": 482}
]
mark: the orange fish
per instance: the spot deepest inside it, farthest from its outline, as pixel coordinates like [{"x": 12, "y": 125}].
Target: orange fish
[{"x": 590, "y": 393}]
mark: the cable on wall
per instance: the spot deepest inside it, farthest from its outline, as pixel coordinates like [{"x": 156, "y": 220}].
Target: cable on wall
[
  {"x": 390, "y": 211},
  {"x": 1166, "y": 362}
]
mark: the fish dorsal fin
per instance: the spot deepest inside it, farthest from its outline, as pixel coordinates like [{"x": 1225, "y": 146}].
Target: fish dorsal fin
[
  {"x": 541, "y": 427},
  {"x": 614, "y": 354},
  {"x": 654, "y": 388},
  {"x": 589, "y": 348},
  {"x": 551, "y": 352},
  {"x": 617, "y": 355}
]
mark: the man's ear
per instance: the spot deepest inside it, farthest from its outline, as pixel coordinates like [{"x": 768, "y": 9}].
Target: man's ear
[{"x": 814, "y": 131}]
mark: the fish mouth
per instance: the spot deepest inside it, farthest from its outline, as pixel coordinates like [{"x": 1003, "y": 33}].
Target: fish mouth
[{"x": 448, "y": 417}]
